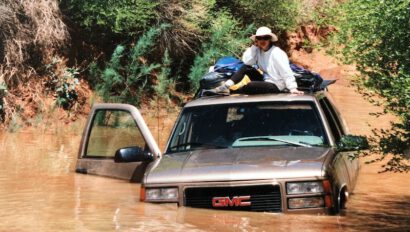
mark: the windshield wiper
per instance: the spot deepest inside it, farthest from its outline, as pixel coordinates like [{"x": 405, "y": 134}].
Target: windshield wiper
[
  {"x": 199, "y": 145},
  {"x": 269, "y": 138}
]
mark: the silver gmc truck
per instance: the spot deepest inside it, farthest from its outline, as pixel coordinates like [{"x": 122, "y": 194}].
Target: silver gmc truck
[{"x": 268, "y": 153}]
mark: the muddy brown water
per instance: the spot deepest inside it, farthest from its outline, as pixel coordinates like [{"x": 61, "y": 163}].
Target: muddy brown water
[{"x": 39, "y": 190}]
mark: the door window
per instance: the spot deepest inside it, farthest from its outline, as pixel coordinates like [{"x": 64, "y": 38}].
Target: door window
[
  {"x": 331, "y": 118},
  {"x": 335, "y": 115},
  {"x": 112, "y": 130}
]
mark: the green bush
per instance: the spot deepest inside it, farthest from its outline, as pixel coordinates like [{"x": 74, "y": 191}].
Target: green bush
[
  {"x": 66, "y": 88},
  {"x": 226, "y": 38},
  {"x": 128, "y": 74},
  {"x": 375, "y": 36},
  {"x": 127, "y": 17},
  {"x": 280, "y": 15},
  {"x": 162, "y": 88},
  {"x": 62, "y": 83}
]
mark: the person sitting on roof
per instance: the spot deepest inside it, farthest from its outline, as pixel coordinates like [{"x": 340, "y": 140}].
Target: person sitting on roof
[{"x": 274, "y": 63}]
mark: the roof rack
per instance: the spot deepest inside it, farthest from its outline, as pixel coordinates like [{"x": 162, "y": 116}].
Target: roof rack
[{"x": 323, "y": 87}]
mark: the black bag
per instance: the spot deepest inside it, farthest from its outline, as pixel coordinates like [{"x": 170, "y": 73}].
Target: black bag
[
  {"x": 224, "y": 68},
  {"x": 209, "y": 81},
  {"x": 307, "y": 80},
  {"x": 212, "y": 80}
]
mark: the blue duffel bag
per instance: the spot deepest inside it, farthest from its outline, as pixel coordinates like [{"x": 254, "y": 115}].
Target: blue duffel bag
[{"x": 228, "y": 65}]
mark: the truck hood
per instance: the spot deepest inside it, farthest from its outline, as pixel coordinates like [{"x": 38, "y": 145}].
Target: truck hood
[{"x": 235, "y": 164}]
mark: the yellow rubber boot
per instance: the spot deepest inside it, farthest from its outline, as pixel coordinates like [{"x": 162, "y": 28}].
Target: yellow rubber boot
[{"x": 245, "y": 80}]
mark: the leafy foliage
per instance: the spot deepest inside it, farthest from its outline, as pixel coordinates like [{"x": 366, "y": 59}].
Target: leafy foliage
[
  {"x": 226, "y": 38},
  {"x": 162, "y": 88},
  {"x": 62, "y": 83},
  {"x": 129, "y": 17},
  {"x": 128, "y": 74},
  {"x": 280, "y": 15},
  {"x": 375, "y": 36},
  {"x": 66, "y": 88},
  {"x": 198, "y": 32}
]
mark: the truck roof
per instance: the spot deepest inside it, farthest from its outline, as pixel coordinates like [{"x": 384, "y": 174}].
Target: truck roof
[{"x": 241, "y": 98}]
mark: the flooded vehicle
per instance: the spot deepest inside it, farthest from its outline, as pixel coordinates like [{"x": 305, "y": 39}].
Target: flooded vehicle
[{"x": 269, "y": 153}]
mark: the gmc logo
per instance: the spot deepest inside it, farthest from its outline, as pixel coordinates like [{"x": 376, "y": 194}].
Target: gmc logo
[{"x": 236, "y": 201}]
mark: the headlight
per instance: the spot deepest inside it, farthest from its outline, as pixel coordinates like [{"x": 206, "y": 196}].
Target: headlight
[
  {"x": 307, "y": 202},
  {"x": 160, "y": 194},
  {"x": 304, "y": 187}
]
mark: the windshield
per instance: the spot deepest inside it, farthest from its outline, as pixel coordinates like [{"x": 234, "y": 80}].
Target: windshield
[{"x": 248, "y": 125}]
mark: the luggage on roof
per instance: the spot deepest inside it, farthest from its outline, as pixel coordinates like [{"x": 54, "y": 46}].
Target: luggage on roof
[
  {"x": 225, "y": 67},
  {"x": 212, "y": 80},
  {"x": 228, "y": 65},
  {"x": 308, "y": 80}
]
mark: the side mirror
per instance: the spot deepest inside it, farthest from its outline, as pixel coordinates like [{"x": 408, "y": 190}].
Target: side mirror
[
  {"x": 132, "y": 154},
  {"x": 353, "y": 143}
]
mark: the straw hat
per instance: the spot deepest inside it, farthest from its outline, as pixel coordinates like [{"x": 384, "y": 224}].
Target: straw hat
[{"x": 264, "y": 31}]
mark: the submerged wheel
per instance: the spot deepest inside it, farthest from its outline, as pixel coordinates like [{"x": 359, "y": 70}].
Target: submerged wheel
[
  {"x": 340, "y": 201},
  {"x": 343, "y": 198}
]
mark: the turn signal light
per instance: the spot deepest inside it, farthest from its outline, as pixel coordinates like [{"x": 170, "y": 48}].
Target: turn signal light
[
  {"x": 142, "y": 193},
  {"x": 327, "y": 189},
  {"x": 326, "y": 186}
]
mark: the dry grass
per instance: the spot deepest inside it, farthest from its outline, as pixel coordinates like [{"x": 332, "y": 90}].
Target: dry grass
[
  {"x": 185, "y": 18},
  {"x": 31, "y": 32},
  {"x": 46, "y": 17}
]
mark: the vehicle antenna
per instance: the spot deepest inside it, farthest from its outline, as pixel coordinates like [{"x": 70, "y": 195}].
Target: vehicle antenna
[{"x": 158, "y": 109}]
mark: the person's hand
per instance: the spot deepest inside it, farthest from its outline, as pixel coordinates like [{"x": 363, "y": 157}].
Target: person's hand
[
  {"x": 296, "y": 91},
  {"x": 253, "y": 40}
]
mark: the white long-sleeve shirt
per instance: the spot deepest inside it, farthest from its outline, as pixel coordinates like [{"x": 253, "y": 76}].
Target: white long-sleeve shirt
[{"x": 275, "y": 65}]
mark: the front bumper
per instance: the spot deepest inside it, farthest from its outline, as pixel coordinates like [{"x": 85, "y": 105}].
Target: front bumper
[{"x": 281, "y": 184}]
